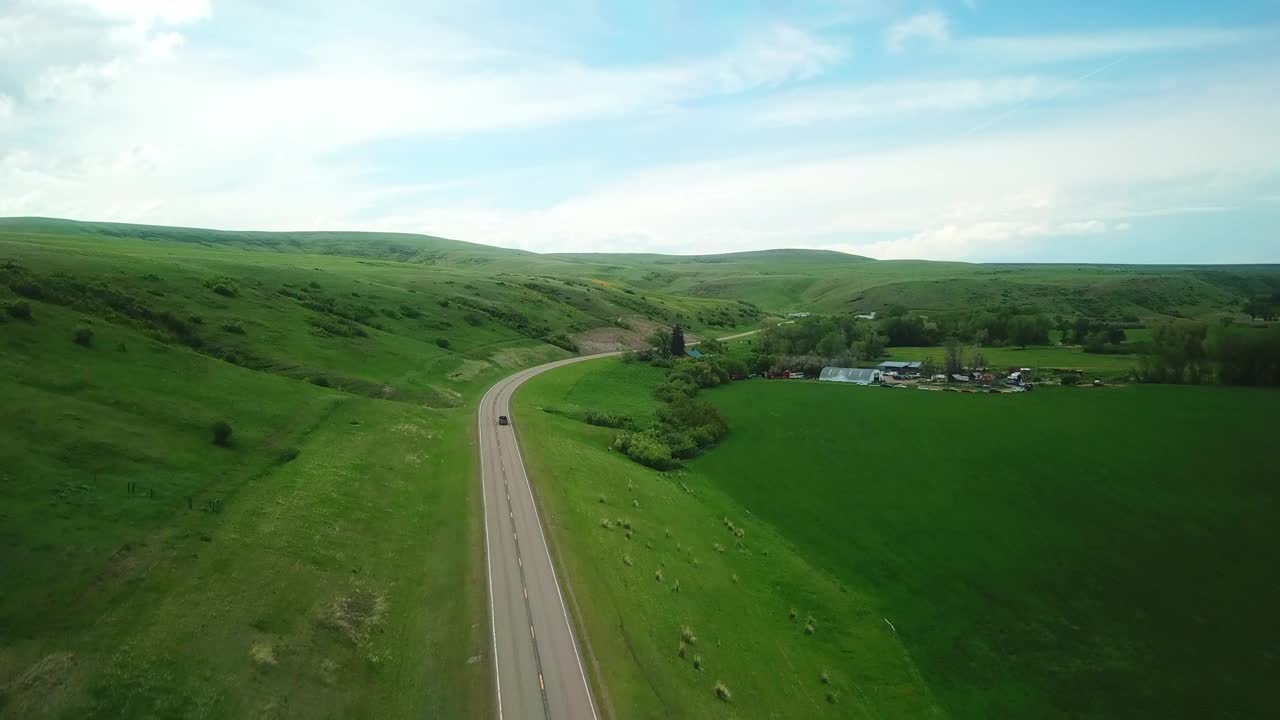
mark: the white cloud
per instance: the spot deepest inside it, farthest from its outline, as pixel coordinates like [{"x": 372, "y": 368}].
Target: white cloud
[
  {"x": 1066, "y": 47},
  {"x": 6, "y": 106},
  {"x": 969, "y": 198},
  {"x": 930, "y": 26},
  {"x": 805, "y": 107}
]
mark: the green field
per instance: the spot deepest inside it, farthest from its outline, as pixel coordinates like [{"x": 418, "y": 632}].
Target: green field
[
  {"x": 327, "y": 562},
  {"x": 1066, "y": 553},
  {"x": 735, "y": 594},
  {"x": 1037, "y": 358}
]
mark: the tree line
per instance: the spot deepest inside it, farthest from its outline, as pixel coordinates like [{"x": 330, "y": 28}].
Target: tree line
[{"x": 1189, "y": 351}]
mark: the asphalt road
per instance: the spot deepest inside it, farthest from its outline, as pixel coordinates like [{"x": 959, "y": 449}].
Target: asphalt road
[{"x": 538, "y": 670}]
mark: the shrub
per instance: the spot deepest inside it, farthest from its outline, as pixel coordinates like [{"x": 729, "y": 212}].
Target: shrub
[
  {"x": 443, "y": 302},
  {"x": 626, "y": 560},
  {"x": 410, "y": 312},
  {"x": 657, "y": 575},
  {"x": 604, "y": 419},
  {"x": 722, "y": 692},
  {"x": 646, "y": 449},
  {"x": 682, "y": 649},
  {"x": 697, "y": 662},
  {"x": 233, "y": 327},
  {"x": 319, "y": 380},
  {"x": 833, "y": 697},
  {"x": 825, "y": 677},
  {"x": 288, "y": 455},
  {"x": 443, "y": 343},
  {"x": 84, "y": 337},
  {"x": 224, "y": 290},
  {"x": 20, "y": 310},
  {"x": 793, "y": 613},
  {"x": 687, "y": 636},
  {"x": 473, "y": 319},
  {"x": 222, "y": 433},
  {"x": 196, "y": 320},
  {"x": 604, "y": 523}
]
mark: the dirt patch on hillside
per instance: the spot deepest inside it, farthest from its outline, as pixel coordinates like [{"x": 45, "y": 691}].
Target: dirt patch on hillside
[
  {"x": 608, "y": 339},
  {"x": 635, "y": 336}
]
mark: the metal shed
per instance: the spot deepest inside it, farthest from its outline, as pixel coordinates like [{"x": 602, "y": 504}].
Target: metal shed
[{"x": 857, "y": 376}]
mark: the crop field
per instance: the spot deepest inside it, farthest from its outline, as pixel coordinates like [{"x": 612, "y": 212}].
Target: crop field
[
  {"x": 1066, "y": 553},
  {"x": 1074, "y": 552}
]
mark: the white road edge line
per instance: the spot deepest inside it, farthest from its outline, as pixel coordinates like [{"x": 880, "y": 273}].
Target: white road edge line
[
  {"x": 488, "y": 557},
  {"x": 577, "y": 655}
]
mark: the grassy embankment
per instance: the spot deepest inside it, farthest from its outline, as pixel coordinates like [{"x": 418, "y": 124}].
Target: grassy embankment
[{"x": 1068, "y": 553}]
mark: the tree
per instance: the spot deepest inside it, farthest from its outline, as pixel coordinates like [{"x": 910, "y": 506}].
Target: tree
[
  {"x": 834, "y": 343},
  {"x": 952, "y": 363},
  {"x": 84, "y": 337},
  {"x": 677, "y": 341},
  {"x": 711, "y": 346},
  {"x": 222, "y": 433},
  {"x": 928, "y": 368},
  {"x": 978, "y": 361},
  {"x": 661, "y": 341}
]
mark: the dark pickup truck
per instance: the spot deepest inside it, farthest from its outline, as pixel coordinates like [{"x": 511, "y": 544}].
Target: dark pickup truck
[{"x": 502, "y": 420}]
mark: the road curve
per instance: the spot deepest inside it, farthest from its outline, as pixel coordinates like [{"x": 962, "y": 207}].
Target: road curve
[{"x": 538, "y": 670}]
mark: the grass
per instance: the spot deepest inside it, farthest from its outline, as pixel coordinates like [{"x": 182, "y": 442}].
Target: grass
[
  {"x": 1074, "y": 552},
  {"x": 1039, "y": 359},
  {"x": 730, "y": 609},
  {"x": 1068, "y": 553},
  {"x": 320, "y": 555},
  {"x": 325, "y": 561}
]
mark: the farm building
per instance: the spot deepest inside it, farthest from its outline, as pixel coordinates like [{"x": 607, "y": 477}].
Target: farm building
[
  {"x": 857, "y": 376},
  {"x": 898, "y": 366}
]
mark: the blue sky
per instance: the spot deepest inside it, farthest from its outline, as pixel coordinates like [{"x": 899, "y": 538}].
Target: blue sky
[{"x": 980, "y": 130}]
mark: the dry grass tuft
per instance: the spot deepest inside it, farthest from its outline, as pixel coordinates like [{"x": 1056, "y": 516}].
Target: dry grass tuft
[
  {"x": 355, "y": 614},
  {"x": 262, "y": 654},
  {"x": 722, "y": 692}
]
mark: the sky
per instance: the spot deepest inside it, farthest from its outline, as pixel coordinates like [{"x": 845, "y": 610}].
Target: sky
[{"x": 980, "y": 130}]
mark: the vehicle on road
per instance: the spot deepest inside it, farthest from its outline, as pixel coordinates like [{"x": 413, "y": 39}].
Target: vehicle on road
[{"x": 502, "y": 420}]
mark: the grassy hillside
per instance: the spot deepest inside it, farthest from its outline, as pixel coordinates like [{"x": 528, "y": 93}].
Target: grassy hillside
[
  {"x": 1066, "y": 553},
  {"x": 649, "y": 555},
  {"x": 324, "y": 564}
]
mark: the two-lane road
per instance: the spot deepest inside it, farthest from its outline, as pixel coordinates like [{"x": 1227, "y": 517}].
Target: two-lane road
[{"x": 538, "y": 670}]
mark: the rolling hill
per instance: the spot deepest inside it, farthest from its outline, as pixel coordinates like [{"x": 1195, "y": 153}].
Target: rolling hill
[{"x": 324, "y": 557}]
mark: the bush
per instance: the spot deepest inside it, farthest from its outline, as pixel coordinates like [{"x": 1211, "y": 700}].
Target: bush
[
  {"x": 600, "y": 418},
  {"x": 473, "y": 319},
  {"x": 722, "y": 692},
  {"x": 443, "y": 302},
  {"x": 443, "y": 343},
  {"x": 224, "y": 290},
  {"x": 320, "y": 380},
  {"x": 234, "y": 328},
  {"x": 84, "y": 337},
  {"x": 20, "y": 310},
  {"x": 222, "y": 433},
  {"x": 687, "y": 636},
  {"x": 196, "y": 320},
  {"x": 646, "y": 449},
  {"x": 289, "y": 455}
]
